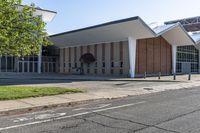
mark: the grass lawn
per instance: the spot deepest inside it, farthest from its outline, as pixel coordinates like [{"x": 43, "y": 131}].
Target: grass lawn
[{"x": 19, "y": 92}]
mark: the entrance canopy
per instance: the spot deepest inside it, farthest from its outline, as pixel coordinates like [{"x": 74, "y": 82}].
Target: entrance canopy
[{"x": 121, "y": 30}]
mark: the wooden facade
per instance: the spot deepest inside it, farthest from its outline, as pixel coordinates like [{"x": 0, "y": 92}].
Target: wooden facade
[{"x": 153, "y": 55}]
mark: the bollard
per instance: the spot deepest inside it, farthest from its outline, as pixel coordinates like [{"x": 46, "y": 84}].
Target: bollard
[
  {"x": 174, "y": 76},
  {"x": 189, "y": 76},
  {"x": 145, "y": 75},
  {"x": 159, "y": 75}
]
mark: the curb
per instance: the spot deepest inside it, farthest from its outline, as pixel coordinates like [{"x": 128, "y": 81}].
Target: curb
[
  {"x": 46, "y": 107},
  {"x": 126, "y": 80}
]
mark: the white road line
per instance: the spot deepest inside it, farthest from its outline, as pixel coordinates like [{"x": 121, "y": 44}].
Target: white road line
[
  {"x": 70, "y": 116},
  {"x": 99, "y": 107}
]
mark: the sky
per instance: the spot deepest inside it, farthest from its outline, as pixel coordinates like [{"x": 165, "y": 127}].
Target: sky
[{"x": 75, "y": 14}]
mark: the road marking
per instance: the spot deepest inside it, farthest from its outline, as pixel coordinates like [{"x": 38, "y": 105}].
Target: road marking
[
  {"x": 98, "y": 107},
  {"x": 39, "y": 117},
  {"x": 70, "y": 116}
]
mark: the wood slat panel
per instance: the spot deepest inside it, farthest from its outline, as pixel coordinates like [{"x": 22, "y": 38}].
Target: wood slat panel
[
  {"x": 142, "y": 56},
  {"x": 169, "y": 59},
  {"x": 163, "y": 56},
  {"x": 156, "y": 61},
  {"x": 150, "y": 53},
  {"x": 137, "y": 57}
]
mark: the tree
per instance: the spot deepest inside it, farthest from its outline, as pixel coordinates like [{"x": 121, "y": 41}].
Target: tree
[{"x": 21, "y": 32}]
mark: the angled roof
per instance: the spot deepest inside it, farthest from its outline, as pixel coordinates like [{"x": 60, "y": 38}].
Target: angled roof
[
  {"x": 175, "y": 34},
  {"x": 107, "y": 32},
  {"x": 120, "y": 30},
  {"x": 162, "y": 28},
  {"x": 196, "y": 37},
  {"x": 47, "y": 15},
  {"x": 190, "y": 24},
  {"x": 184, "y": 21},
  {"x": 105, "y": 24}
]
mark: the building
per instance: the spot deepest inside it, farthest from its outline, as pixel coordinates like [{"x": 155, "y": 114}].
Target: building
[
  {"x": 33, "y": 63},
  {"x": 129, "y": 47}
]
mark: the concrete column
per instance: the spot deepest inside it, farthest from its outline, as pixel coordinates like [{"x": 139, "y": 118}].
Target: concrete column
[
  {"x": 33, "y": 65},
  {"x": 6, "y": 62},
  {"x": 0, "y": 63},
  {"x": 199, "y": 60},
  {"x": 16, "y": 67},
  {"x": 40, "y": 60},
  {"x": 132, "y": 55},
  {"x": 174, "y": 50},
  {"x": 61, "y": 63},
  {"x": 28, "y": 65}
]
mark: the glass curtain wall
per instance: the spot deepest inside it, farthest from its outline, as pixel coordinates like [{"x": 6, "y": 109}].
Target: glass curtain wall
[
  {"x": 27, "y": 64},
  {"x": 7, "y": 64},
  {"x": 187, "y": 58}
]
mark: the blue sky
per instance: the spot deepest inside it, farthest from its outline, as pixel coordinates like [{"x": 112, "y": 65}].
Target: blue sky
[{"x": 75, "y": 14}]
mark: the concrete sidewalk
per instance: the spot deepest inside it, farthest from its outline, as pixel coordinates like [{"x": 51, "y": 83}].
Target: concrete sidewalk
[
  {"x": 41, "y": 103},
  {"x": 35, "y": 76}
]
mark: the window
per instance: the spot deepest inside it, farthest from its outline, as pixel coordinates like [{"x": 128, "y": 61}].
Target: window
[
  {"x": 88, "y": 71},
  {"x": 111, "y": 71},
  {"x": 121, "y": 71},
  {"x": 103, "y": 64},
  {"x": 112, "y": 64},
  {"x": 95, "y": 71},
  {"x": 103, "y": 71},
  {"x": 69, "y": 64},
  {"x": 121, "y": 64}
]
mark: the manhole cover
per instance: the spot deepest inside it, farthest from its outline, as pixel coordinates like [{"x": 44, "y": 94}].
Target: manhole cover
[{"x": 148, "y": 89}]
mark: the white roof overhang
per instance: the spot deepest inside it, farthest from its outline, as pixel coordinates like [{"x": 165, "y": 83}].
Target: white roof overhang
[
  {"x": 175, "y": 34},
  {"x": 108, "y": 32},
  {"x": 196, "y": 38},
  {"x": 47, "y": 15}
]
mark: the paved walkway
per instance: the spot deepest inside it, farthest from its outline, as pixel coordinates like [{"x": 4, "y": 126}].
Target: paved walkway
[{"x": 103, "y": 89}]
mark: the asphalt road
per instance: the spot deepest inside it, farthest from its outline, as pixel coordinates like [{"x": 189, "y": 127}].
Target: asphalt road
[{"x": 166, "y": 112}]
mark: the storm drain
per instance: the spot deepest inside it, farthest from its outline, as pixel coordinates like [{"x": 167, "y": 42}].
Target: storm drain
[
  {"x": 148, "y": 89},
  {"x": 121, "y": 84}
]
